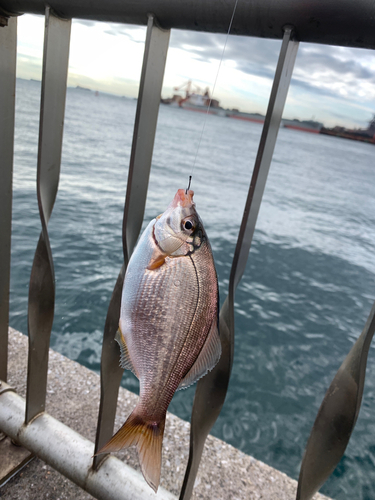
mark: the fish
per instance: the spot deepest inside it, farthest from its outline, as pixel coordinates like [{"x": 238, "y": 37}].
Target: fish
[{"x": 168, "y": 329}]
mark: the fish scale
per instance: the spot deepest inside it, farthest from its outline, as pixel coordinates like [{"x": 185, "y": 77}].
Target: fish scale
[{"x": 169, "y": 344}]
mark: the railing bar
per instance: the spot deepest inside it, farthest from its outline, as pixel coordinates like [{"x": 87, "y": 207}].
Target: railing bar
[
  {"x": 336, "y": 417},
  {"x": 280, "y": 87},
  {"x": 42, "y": 282},
  {"x": 8, "y": 54},
  {"x": 110, "y": 372},
  {"x": 70, "y": 453},
  {"x": 155, "y": 55},
  {"x": 335, "y": 22},
  {"x": 156, "y": 48},
  {"x": 212, "y": 389}
]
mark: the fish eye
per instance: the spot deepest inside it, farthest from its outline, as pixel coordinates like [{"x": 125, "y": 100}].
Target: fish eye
[{"x": 188, "y": 225}]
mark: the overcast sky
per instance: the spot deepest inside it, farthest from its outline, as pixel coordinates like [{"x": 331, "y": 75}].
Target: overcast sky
[{"x": 335, "y": 85}]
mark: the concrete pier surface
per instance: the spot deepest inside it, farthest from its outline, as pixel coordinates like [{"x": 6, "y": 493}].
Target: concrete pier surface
[{"x": 73, "y": 392}]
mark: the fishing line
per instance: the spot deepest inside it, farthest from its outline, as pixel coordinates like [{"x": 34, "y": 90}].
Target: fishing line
[{"x": 212, "y": 93}]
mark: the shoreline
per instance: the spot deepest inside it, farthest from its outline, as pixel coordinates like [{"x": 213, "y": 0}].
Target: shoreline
[{"x": 73, "y": 398}]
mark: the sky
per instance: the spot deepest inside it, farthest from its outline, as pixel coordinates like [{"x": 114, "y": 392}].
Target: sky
[{"x": 333, "y": 85}]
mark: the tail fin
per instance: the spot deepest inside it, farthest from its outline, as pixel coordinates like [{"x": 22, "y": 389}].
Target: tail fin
[{"x": 148, "y": 436}]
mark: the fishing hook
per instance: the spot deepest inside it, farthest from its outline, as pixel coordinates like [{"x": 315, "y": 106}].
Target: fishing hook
[{"x": 187, "y": 189}]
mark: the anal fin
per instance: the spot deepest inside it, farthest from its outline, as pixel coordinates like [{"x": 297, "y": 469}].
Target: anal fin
[
  {"x": 206, "y": 360},
  {"x": 125, "y": 361}
]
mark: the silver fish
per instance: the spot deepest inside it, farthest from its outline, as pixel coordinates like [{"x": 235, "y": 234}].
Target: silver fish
[{"x": 168, "y": 331}]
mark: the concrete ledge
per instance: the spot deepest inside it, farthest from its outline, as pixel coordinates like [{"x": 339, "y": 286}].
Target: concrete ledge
[{"x": 73, "y": 398}]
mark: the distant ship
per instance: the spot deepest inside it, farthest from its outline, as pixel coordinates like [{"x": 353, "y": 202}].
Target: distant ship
[
  {"x": 248, "y": 117},
  {"x": 196, "y": 99},
  {"x": 295, "y": 124},
  {"x": 363, "y": 135},
  {"x": 311, "y": 126}
]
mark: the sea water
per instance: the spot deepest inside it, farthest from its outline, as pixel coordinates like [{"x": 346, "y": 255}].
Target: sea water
[{"x": 309, "y": 283}]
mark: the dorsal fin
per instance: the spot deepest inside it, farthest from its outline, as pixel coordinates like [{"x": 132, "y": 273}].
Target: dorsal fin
[
  {"x": 206, "y": 360},
  {"x": 125, "y": 361}
]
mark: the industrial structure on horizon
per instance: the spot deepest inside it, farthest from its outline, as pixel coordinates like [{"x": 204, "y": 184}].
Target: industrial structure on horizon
[{"x": 196, "y": 99}]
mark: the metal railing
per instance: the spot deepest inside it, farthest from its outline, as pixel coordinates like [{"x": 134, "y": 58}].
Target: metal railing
[{"x": 26, "y": 421}]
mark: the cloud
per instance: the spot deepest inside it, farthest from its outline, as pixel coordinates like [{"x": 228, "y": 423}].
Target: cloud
[
  {"x": 134, "y": 33},
  {"x": 320, "y": 71},
  {"x": 318, "y": 59},
  {"x": 207, "y": 46},
  {"x": 326, "y": 80},
  {"x": 29, "y": 67},
  {"x": 259, "y": 56},
  {"x": 347, "y": 74},
  {"x": 85, "y": 22},
  {"x": 335, "y": 72}
]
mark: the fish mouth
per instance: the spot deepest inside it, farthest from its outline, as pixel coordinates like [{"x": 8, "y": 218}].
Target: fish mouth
[
  {"x": 183, "y": 199},
  {"x": 169, "y": 234}
]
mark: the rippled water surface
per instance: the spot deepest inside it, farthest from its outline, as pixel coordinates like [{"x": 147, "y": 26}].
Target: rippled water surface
[{"x": 309, "y": 283}]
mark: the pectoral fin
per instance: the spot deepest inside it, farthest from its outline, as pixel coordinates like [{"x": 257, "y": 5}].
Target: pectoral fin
[
  {"x": 125, "y": 361},
  {"x": 207, "y": 359},
  {"x": 157, "y": 259}
]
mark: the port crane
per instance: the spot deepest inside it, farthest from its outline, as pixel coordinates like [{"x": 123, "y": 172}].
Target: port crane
[{"x": 191, "y": 88}]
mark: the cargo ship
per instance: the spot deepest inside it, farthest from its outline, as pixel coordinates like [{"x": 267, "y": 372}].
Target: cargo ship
[
  {"x": 311, "y": 126},
  {"x": 363, "y": 135},
  {"x": 197, "y": 99}
]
